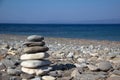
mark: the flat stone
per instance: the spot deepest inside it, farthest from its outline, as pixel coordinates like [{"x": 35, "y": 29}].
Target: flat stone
[
  {"x": 29, "y": 44},
  {"x": 35, "y": 38},
  {"x": 40, "y": 55},
  {"x": 35, "y": 49},
  {"x": 37, "y": 71},
  {"x": 35, "y": 63},
  {"x": 104, "y": 66},
  {"x": 48, "y": 78}
]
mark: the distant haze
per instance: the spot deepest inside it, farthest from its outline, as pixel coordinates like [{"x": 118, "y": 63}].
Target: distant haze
[{"x": 59, "y": 11}]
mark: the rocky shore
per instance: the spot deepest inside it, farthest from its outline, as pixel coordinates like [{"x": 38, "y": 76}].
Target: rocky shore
[{"x": 71, "y": 59}]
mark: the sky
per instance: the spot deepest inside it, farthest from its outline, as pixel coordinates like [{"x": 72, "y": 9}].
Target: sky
[{"x": 59, "y": 11}]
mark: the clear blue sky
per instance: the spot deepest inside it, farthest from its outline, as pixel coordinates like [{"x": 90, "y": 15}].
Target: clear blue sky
[{"x": 59, "y": 11}]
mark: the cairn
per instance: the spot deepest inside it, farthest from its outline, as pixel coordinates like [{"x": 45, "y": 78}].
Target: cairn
[{"x": 34, "y": 60}]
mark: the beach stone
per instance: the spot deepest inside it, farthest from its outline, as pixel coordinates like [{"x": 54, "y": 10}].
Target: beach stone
[
  {"x": 8, "y": 63},
  {"x": 81, "y": 60},
  {"x": 35, "y": 49},
  {"x": 2, "y": 66},
  {"x": 35, "y": 38},
  {"x": 37, "y": 71},
  {"x": 29, "y": 44},
  {"x": 40, "y": 55},
  {"x": 116, "y": 72},
  {"x": 5, "y": 46},
  {"x": 65, "y": 78},
  {"x": 36, "y": 78},
  {"x": 113, "y": 78},
  {"x": 75, "y": 74},
  {"x": 56, "y": 73},
  {"x": 70, "y": 55},
  {"x": 14, "y": 78},
  {"x": 92, "y": 67},
  {"x": 11, "y": 71},
  {"x": 26, "y": 76},
  {"x": 115, "y": 60},
  {"x": 104, "y": 66},
  {"x": 48, "y": 78},
  {"x": 82, "y": 65},
  {"x": 35, "y": 63}
]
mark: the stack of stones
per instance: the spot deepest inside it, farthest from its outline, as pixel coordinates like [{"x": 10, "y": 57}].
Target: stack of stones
[{"x": 34, "y": 58}]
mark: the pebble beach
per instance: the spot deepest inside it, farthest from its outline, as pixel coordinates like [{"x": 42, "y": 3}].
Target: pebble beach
[{"x": 71, "y": 59}]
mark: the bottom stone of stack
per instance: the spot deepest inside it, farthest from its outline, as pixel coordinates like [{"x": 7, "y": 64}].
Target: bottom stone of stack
[{"x": 38, "y": 71}]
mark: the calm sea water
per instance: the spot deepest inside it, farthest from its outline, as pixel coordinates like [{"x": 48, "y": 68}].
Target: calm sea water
[{"x": 82, "y": 31}]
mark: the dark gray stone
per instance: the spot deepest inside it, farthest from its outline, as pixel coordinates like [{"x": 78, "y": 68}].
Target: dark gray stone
[
  {"x": 29, "y": 44},
  {"x": 35, "y": 38},
  {"x": 104, "y": 66},
  {"x": 35, "y": 49}
]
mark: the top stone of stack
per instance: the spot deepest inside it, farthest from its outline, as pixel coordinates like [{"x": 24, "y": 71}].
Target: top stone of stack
[{"x": 35, "y": 38}]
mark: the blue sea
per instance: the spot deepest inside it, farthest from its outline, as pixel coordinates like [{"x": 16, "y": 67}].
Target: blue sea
[{"x": 79, "y": 31}]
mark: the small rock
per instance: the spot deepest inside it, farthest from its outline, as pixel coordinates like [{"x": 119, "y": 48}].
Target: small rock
[
  {"x": 94, "y": 54},
  {"x": 65, "y": 78},
  {"x": 48, "y": 78},
  {"x": 40, "y": 55},
  {"x": 81, "y": 60},
  {"x": 35, "y": 38},
  {"x": 36, "y": 78},
  {"x": 115, "y": 60},
  {"x": 75, "y": 74},
  {"x": 26, "y": 76},
  {"x": 113, "y": 78},
  {"x": 104, "y": 66},
  {"x": 35, "y": 63},
  {"x": 5, "y": 46},
  {"x": 8, "y": 63},
  {"x": 55, "y": 73},
  {"x": 13, "y": 71},
  {"x": 15, "y": 78},
  {"x": 92, "y": 67},
  {"x": 82, "y": 65},
  {"x": 2, "y": 66},
  {"x": 35, "y": 49},
  {"x": 70, "y": 55},
  {"x": 116, "y": 72}
]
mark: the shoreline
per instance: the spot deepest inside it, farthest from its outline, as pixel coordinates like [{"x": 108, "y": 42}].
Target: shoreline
[
  {"x": 65, "y": 41},
  {"x": 22, "y": 36}
]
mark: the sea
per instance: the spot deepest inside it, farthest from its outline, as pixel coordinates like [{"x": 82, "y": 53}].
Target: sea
[{"x": 109, "y": 32}]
